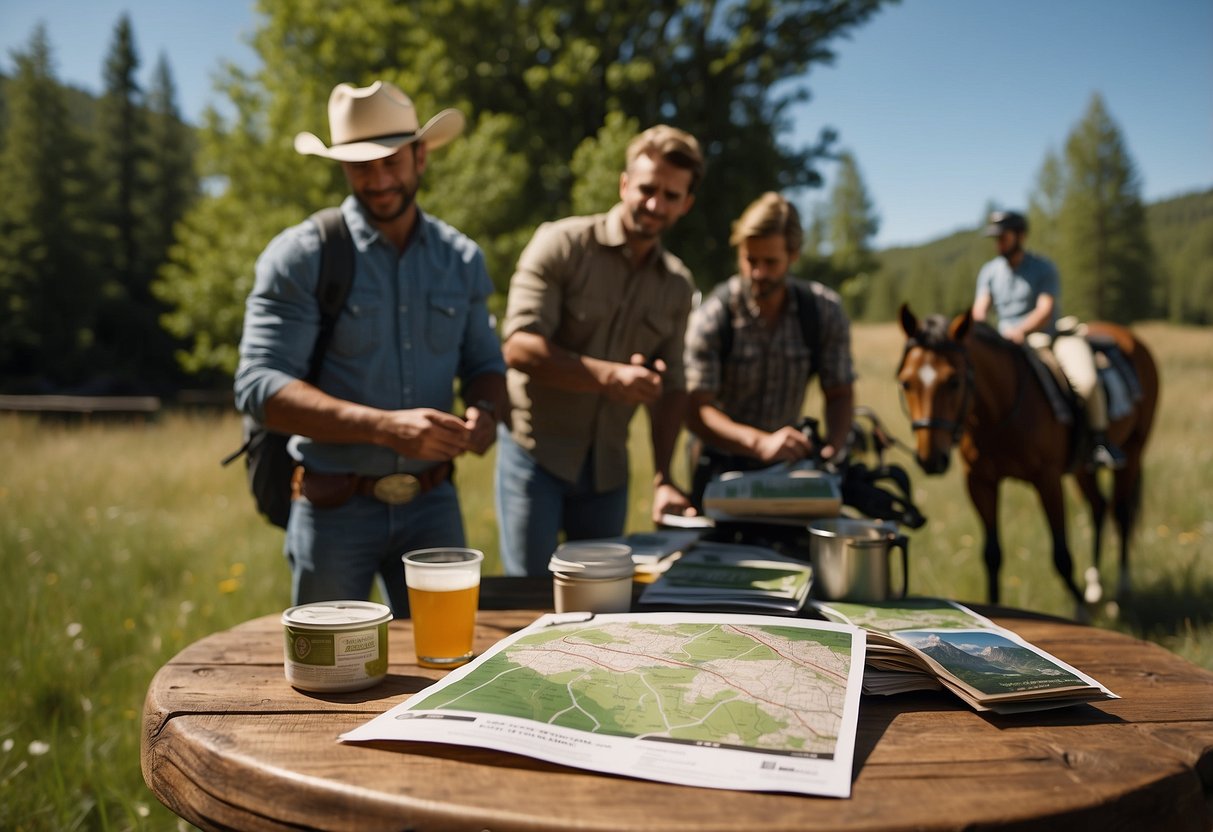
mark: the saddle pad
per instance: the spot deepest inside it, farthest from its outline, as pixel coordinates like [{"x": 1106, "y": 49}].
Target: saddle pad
[
  {"x": 1118, "y": 377},
  {"x": 1053, "y": 383}
]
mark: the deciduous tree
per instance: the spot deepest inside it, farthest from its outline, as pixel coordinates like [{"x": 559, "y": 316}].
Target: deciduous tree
[{"x": 546, "y": 87}]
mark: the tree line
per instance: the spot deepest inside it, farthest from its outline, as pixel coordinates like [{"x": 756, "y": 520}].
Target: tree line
[
  {"x": 1119, "y": 259},
  {"x": 91, "y": 192},
  {"x": 117, "y": 269}
]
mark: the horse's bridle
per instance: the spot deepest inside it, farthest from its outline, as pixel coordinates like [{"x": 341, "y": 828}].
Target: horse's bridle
[{"x": 956, "y": 426}]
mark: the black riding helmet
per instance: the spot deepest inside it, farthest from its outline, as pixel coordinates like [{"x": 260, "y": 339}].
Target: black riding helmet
[{"x": 1001, "y": 221}]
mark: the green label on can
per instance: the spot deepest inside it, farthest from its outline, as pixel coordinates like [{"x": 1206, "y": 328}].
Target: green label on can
[{"x": 310, "y": 647}]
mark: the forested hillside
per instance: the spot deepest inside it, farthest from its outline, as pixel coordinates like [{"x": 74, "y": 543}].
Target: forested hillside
[
  {"x": 119, "y": 272},
  {"x": 940, "y": 276}
]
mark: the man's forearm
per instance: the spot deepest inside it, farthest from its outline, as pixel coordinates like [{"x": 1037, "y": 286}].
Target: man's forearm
[
  {"x": 665, "y": 421},
  {"x": 302, "y": 408},
  {"x": 488, "y": 389},
  {"x": 839, "y": 412},
  {"x": 714, "y": 426},
  {"x": 1040, "y": 315},
  {"x": 552, "y": 365}
]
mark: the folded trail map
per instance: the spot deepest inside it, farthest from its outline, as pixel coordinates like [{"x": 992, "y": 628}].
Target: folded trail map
[{"x": 742, "y": 702}]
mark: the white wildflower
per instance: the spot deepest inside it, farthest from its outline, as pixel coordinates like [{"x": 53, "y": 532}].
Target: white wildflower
[{"x": 37, "y": 748}]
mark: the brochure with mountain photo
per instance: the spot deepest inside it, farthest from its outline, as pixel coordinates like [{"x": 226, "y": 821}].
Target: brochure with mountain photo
[{"x": 987, "y": 666}]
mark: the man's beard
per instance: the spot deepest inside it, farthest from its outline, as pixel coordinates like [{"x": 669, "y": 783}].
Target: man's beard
[
  {"x": 761, "y": 290},
  {"x": 406, "y": 200},
  {"x": 639, "y": 230}
]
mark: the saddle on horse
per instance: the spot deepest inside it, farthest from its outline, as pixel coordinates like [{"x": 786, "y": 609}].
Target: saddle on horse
[{"x": 1114, "y": 373}]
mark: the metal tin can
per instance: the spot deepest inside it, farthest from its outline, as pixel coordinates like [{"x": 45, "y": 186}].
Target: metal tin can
[
  {"x": 593, "y": 576},
  {"x": 334, "y": 646}
]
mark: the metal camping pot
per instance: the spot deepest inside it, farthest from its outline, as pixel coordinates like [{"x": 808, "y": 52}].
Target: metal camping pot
[{"x": 851, "y": 559}]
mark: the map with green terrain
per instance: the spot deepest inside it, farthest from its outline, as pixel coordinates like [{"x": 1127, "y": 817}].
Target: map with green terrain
[{"x": 749, "y": 686}]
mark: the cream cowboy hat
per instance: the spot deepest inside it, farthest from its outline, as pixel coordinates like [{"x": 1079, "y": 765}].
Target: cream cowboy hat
[{"x": 373, "y": 122}]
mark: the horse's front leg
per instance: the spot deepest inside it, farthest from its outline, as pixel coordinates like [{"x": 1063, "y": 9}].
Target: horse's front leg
[
  {"x": 1052, "y": 500},
  {"x": 983, "y": 491},
  {"x": 1089, "y": 484}
]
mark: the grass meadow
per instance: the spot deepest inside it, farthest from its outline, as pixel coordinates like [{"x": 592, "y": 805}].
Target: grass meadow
[{"x": 123, "y": 543}]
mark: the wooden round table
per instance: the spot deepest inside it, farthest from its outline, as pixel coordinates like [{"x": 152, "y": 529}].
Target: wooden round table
[{"x": 227, "y": 743}]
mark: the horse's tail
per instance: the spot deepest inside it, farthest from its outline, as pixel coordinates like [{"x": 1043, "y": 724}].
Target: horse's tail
[{"x": 1135, "y": 500}]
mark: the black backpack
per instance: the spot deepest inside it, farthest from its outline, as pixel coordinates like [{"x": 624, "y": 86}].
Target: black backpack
[
  {"x": 806, "y": 309},
  {"x": 269, "y": 464}
]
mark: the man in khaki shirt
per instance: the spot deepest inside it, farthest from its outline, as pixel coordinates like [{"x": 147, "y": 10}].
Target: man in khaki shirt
[{"x": 594, "y": 326}]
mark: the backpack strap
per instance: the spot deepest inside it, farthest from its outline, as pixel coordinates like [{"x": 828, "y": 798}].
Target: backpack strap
[
  {"x": 810, "y": 327},
  {"x": 806, "y": 312},
  {"x": 721, "y": 293},
  {"x": 332, "y": 289},
  {"x": 336, "y": 277}
]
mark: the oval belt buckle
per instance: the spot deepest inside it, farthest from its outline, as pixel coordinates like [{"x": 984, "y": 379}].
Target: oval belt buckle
[{"x": 396, "y": 489}]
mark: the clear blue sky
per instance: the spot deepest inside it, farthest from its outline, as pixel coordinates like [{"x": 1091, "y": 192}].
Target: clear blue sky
[{"x": 946, "y": 104}]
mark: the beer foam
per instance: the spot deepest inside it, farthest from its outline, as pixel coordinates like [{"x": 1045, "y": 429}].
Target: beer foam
[{"x": 442, "y": 579}]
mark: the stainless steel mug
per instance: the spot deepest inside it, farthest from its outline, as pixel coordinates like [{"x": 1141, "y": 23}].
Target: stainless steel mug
[{"x": 851, "y": 559}]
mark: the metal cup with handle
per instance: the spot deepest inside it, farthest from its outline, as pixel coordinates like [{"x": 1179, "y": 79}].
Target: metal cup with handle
[{"x": 851, "y": 557}]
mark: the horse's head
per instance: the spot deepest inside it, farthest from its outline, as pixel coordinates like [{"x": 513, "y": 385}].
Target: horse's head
[{"x": 937, "y": 384}]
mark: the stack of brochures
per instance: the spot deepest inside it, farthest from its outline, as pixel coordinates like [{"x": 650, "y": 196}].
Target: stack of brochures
[
  {"x": 653, "y": 552},
  {"x": 927, "y": 643},
  {"x": 726, "y": 576},
  {"x": 798, "y": 490}
]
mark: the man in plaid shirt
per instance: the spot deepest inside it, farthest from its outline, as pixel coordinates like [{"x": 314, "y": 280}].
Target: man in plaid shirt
[{"x": 744, "y": 406}]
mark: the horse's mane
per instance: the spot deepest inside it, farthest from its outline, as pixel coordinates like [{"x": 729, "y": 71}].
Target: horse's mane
[
  {"x": 933, "y": 331},
  {"x": 981, "y": 331},
  {"x": 933, "y": 334}
]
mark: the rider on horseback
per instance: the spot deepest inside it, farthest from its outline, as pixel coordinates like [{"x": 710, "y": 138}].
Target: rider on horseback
[{"x": 1023, "y": 289}]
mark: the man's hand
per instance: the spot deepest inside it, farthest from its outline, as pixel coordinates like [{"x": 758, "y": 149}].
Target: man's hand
[
  {"x": 481, "y": 422},
  {"x": 635, "y": 383},
  {"x": 787, "y": 444},
  {"x": 425, "y": 433},
  {"x": 669, "y": 499}
]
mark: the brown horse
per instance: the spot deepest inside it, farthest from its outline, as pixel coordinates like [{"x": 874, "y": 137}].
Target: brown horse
[{"x": 964, "y": 384}]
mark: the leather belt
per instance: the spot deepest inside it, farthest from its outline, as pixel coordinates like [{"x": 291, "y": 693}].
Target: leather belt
[{"x": 332, "y": 490}]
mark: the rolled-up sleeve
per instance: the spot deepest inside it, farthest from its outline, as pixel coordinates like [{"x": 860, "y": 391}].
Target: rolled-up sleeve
[
  {"x": 536, "y": 289},
  {"x": 837, "y": 365},
  {"x": 703, "y": 345},
  {"x": 281, "y": 319},
  {"x": 481, "y": 351}
]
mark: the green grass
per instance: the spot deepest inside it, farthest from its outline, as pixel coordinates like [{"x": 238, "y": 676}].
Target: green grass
[{"x": 123, "y": 543}]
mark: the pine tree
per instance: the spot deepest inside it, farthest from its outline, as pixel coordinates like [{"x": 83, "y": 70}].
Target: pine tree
[
  {"x": 141, "y": 159},
  {"x": 1044, "y": 206},
  {"x": 852, "y": 225},
  {"x": 169, "y": 178},
  {"x": 46, "y": 301},
  {"x": 118, "y": 157},
  {"x": 1106, "y": 261}
]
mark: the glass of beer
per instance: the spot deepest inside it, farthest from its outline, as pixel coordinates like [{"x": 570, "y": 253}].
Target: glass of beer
[{"x": 444, "y": 590}]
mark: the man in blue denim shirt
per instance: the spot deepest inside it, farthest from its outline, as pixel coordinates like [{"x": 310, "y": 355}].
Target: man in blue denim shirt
[{"x": 374, "y": 433}]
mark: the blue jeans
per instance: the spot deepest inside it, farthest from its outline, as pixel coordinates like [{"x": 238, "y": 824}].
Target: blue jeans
[
  {"x": 338, "y": 553},
  {"x": 534, "y": 505}
]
